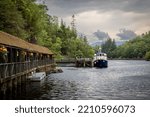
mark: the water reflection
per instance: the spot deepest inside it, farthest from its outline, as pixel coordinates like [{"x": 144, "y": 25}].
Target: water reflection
[{"x": 121, "y": 80}]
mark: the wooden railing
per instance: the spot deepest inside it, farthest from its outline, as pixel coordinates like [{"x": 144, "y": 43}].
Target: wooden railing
[
  {"x": 11, "y": 69},
  {"x": 67, "y": 60},
  {"x": 72, "y": 60}
]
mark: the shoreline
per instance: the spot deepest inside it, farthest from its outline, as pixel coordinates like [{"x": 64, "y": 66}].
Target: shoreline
[{"x": 125, "y": 59}]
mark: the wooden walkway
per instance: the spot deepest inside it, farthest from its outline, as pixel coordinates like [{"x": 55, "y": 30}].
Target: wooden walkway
[
  {"x": 80, "y": 62},
  {"x": 11, "y": 70},
  {"x": 65, "y": 61},
  {"x": 13, "y": 75}
]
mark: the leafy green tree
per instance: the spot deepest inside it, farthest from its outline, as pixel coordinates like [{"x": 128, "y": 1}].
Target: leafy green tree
[
  {"x": 30, "y": 21},
  {"x": 11, "y": 20},
  {"x": 135, "y": 48},
  {"x": 108, "y": 47},
  {"x": 147, "y": 56},
  {"x": 56, "y": 47}
]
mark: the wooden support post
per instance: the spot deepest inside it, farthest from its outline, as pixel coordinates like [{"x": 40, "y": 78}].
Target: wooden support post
[{"x": 84, "y": 63}]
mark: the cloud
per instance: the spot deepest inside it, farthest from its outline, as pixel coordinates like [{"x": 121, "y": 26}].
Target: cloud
[
  {"x": 126, "y": 34},
  {"x": 107, "y": 15},
  {"x": 101, "y": 35},
  {"x": 69, "y": 7}
]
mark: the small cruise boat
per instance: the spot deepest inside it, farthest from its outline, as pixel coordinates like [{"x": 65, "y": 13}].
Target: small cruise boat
[{"x": 100, "y": 60}]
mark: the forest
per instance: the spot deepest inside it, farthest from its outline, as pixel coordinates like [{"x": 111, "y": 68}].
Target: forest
[
  {"x": 30, "y": 21},
  {"x": 137, "y": 48}
]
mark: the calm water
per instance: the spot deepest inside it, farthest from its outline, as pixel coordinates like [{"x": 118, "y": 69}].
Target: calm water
[{"x": 122, "y": 79}]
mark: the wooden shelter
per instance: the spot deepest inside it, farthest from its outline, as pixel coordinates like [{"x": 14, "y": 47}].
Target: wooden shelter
[
  {"x": 19, "y": 59},
  {"x": 14, "y": 49}
]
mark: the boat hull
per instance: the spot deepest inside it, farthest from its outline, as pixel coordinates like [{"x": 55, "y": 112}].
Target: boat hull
[{"x": 101, "y": 63}]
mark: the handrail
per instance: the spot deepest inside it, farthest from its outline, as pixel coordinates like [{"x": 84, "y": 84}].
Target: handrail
[
  {"x": 67, "y": 60},
  {"x": 10, "y": 69}
]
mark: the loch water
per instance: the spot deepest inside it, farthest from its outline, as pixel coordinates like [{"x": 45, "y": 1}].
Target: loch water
[{"x": 122, "y": 80}]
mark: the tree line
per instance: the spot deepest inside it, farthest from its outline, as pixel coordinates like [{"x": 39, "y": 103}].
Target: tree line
[
  {"x": 137, "y": 48},
  {"x": 29, "y": 20}
]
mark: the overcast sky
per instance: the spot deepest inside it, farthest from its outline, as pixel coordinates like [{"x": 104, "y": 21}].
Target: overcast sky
[{"x": 116, "y": 18}]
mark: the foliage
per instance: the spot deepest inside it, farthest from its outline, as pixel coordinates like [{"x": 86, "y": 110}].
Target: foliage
[
  {"x": 136, "y": 48},
  {"x": 30, "y": 21},
  {"x": 108, "y": 47},
  {"x": 147, "y": 56},
  {"x": 11, "y": 19}
]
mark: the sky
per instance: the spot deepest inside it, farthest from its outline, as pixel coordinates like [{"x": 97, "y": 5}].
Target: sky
[{"x": 99, "y": 19}]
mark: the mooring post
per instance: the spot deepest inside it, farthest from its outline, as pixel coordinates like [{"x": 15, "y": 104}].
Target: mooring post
[{"x": 84, "y": 63}]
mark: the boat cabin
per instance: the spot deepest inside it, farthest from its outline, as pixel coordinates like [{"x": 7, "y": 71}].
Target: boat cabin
[{"x": 100, "y": 56}]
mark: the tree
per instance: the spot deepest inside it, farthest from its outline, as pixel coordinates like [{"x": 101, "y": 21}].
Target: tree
[
  {"x": 56, "y": 47},
  {"x": 147, "y": 56},
  {"x": 11, "y": 20},
  {"x": 108, "y": 47},
  {"x": 73, "y": 26},
  {"x": 135, "y": 48},
  {"x": 30, "y": 21}
]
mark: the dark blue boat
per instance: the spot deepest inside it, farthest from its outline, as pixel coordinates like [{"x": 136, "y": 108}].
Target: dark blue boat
[{"x": 100, "y": 60}]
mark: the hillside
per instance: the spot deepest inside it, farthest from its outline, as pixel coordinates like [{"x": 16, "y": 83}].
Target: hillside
[
  {"x": 138, "y": 48},
  {"x": 30, "y": 21}
]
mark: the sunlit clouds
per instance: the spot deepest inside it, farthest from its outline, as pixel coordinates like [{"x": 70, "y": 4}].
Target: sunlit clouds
[{"x": 108, "y": 16}]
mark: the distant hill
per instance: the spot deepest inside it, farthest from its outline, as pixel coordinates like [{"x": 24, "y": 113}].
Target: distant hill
[
  {"x": 98, "y": 43},
  {"x": 137, "y": 48}
]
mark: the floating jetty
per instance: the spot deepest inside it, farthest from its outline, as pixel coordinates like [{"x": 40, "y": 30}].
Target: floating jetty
[
  {"x": 37, "y": 76},
  {"x": 76, "y": 62},
  {"x": 84, "y": 62}
]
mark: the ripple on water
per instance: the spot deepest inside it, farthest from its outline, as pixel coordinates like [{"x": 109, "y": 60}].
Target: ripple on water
[{"x": 122, "y": 79}]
